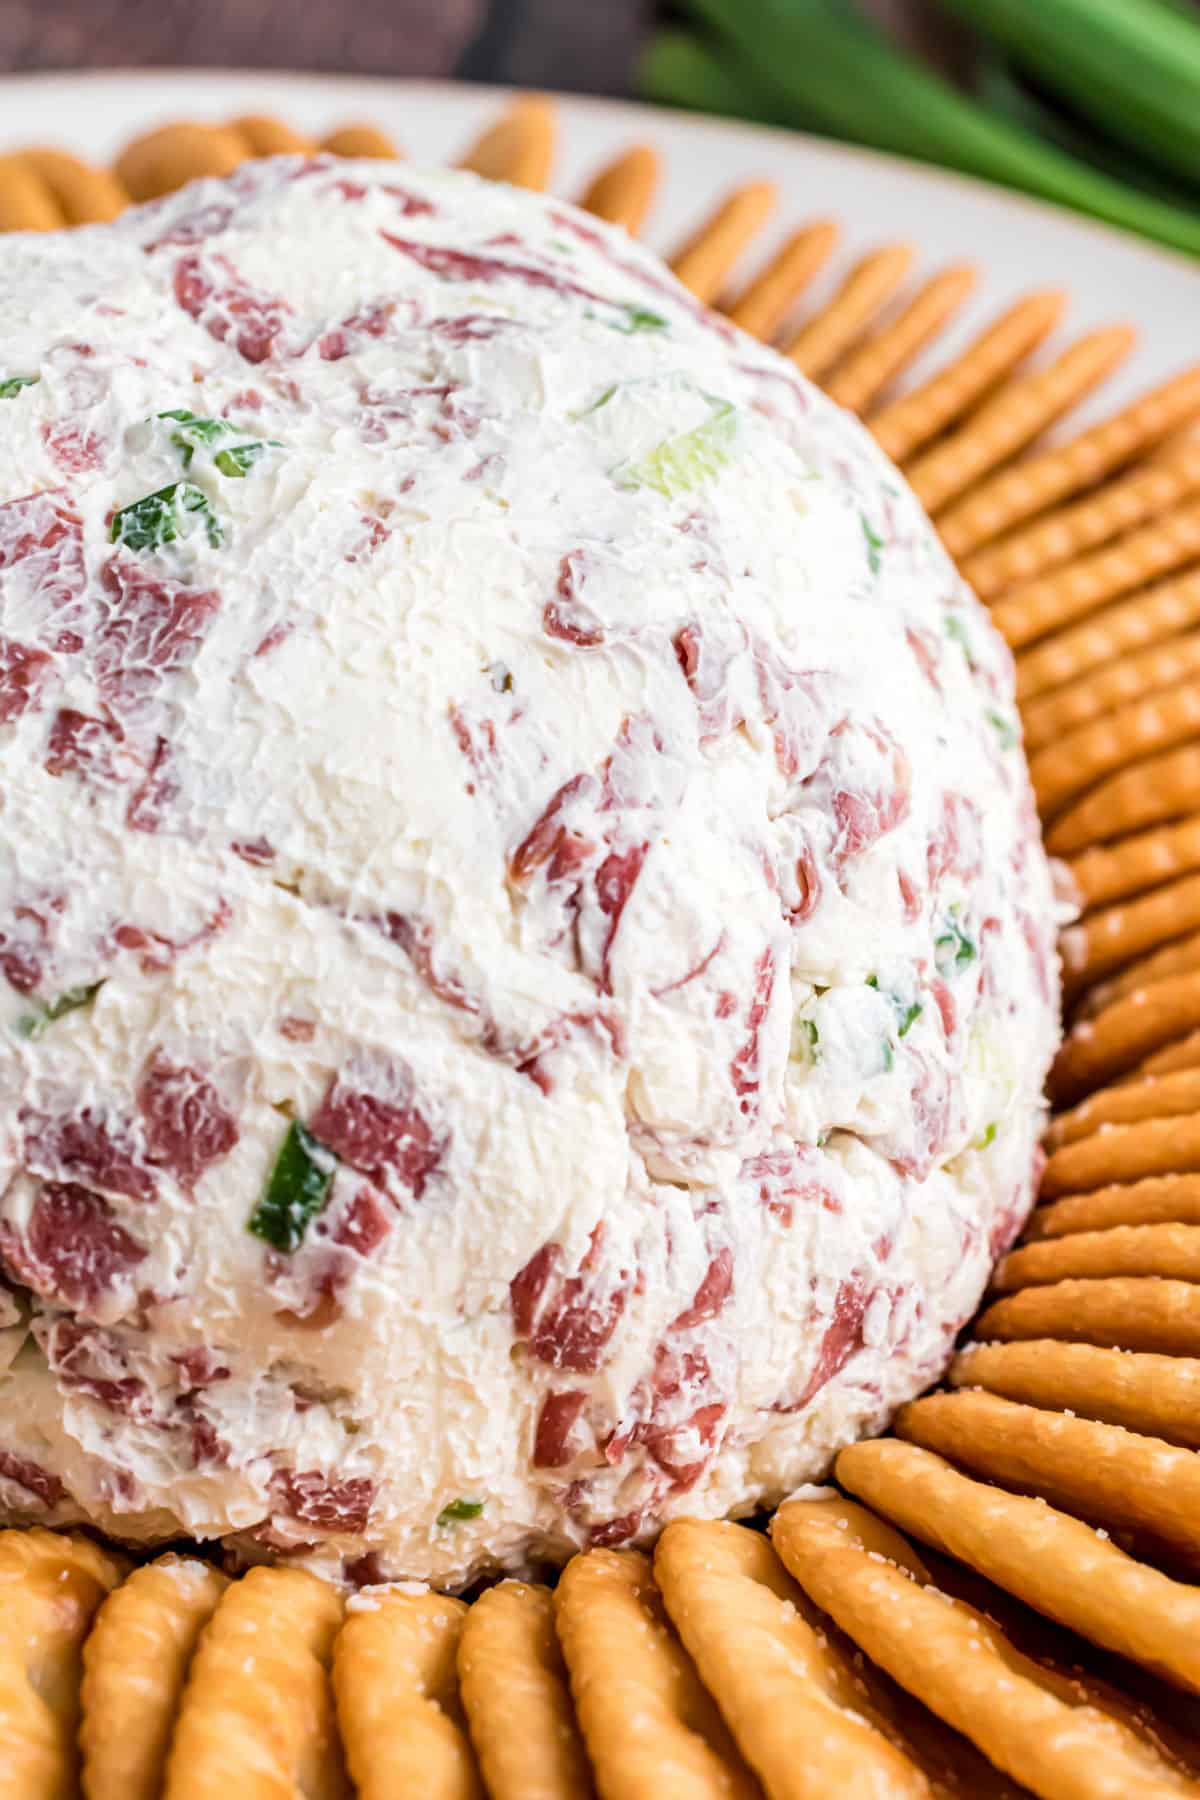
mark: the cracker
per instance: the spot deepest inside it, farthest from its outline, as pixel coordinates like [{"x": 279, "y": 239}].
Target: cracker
[
  {"x": 1124, "y": 1153},
  {"x": 50, "y": 1587},
  {"x": 1137, "y": 863},
  {"x": 704, "y": 261},
  {"x": 1053, "y": 475},
  {"x": 1054, "y": 1563},
  {"x": 904, "y": 425},
  {"x": 135, "y": 1663},
  {"x": 360, "y": 140},
  {"x": 513, "y": 1684},
  {"x": 264, "y": 135},
  {"x": 83, "y": 193},
  {"x": 766, "y": 302},
  {"x": 1157, "y": 1200},
  {"x": 257, "y": 1716},
  {"x": 867, "y": 371},
  {"x": 1038, "y": 608},
  {"x": 1019, "y": 412},
  {"x": 866, "y": 290},
  {"x": 1063, "y": 536},
  {"x": 1157, "y": 1395},
  {"x": 640, "y": 1703},
  {"x": 1161, "y": 613},
  {"x": 519, "y": 147},
  {"x": 1160, "y": 788},
  {"x": 1102, "y": 690},
  {"x": 1054, "y": 1734},
  {"x": 1115, "y": 934},
  {"x": 1116, "y": 1479},
  {"x": 1169, "y": 1250},
  {"x": 26, "y": 203},
  {"x": 1122, "y": 1313},
  {"x": 1184, "y": 1053},
  {"x": 1127, "y": 1104},
  {"x": 801, "y": 1716},
  {"x": 623, "y": 190},
  {"x": 161, "y": 161},
  {"x": 395, "y": 1678},
  {"x": 1143, "y": 728},
  {"x": 1182, "y": 958},
  {"x": 1096, "y": 1050}
]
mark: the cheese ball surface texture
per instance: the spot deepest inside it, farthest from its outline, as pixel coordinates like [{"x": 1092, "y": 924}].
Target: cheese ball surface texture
[{"x": 527, "y": 959}]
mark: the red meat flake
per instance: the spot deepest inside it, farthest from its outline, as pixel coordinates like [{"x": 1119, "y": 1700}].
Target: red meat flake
[
  {"x": 187, "y": 1125},
  {"x": 616, "y": 1531},
  {"x": 83, "y": 1359},
  {"x": 567, "y": 617},
  {"x": 379, "y": 1137},
  {"x": 86, "y": 1148},
  {"x": 92, "y": 748},
  {"x": 463, "y": 265},
  {"x": 567, "y": 1324},
  {"x": 556, "y": 1421},
  {"x": 73, "y": 448},
  {"x": 685, "y": 1450},
  {"x": 32, "y": 1477},
  {"x": 73, "y": 1250},
  {"x": 319, "y": 1500},
  {"x": 843, "y": 1336},
  {"x": 152, "y": 629},
  {"x": 150, "y": 803},
  {"x": 615, "y": 881},
  {"x": 210, "y": 290},
  {"x": 744, "y": 1069},
  {"x": 41, "y": 557},
  {"x": 22, "y": 672},
  {"x": 549, "y": 838},
  {"x": 711, "y": 1295},
  {"x": 366, "y": 1222}
]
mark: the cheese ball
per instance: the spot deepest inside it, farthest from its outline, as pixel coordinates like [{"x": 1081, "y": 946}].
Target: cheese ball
[{"x": 526, "y": 958}]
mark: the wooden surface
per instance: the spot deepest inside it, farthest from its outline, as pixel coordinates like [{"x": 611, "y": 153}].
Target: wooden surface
[{"x": 587, "y": 46}]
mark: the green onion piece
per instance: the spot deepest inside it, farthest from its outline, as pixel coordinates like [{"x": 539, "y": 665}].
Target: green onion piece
[
  {"x": 1005, "y": 730},
  {"x": 806, "y": 1038},
  {"x": 909, "y": 1016},
  {"x": 151, "y": 522},
  {"x": 956, "y": 631},
  {"x": 11, "y": 385},
  {"x": 874, "y": 544},
  {"x": 458, "y": 1510},
  {"x": 238, "y": 461},
  {"x": 32, "y": 1025},
  {"x": 640, "y": 318},
  {"x": 680, "y": 464},
  {"x": 953, "y": 949},
  {"x": 987, "y": 1136},
  {"x": 296, "y": 1191}
]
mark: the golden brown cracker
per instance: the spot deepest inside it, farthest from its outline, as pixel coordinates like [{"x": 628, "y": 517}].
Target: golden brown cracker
[
  {"x": 1180, "y": 958},
  {"x": 1049, "y": 604},
  {"x": 1158, "y": 1396},
  {"x": 1163, "y": 787},
  {"x": 1124, "y": 1153},
  {"x": 1015, "y": 415},
  {"x": 1184, "y": 1053},
  {"x": 1169, "y": 1250},
  {"x": 135, "y": 1663},
  {"x": 904, "y": 425},
  {"x": 868, "y": 287},
  {"x": 514, "y": 1689},
  {"x": 1163, "y": 612},
  {"x": 1143, "y": 728},
  {"x": 160, "y": 161},
  {"x": 50, "y": 1587},
  {"x": 1116, "y": 1479},
  {"x": 649, "y": 1724},
  {"x": 623, "y": 190},
  {"x": 1095, "y": 1050},
  {"x": 766, "y": 301},
  {"x": 1065, "y": 535},
  {"x": 1113, "y": 935},
  {"x": 1121, "y": 1313},
  {"x": 84, "y": 193},
  {"x": 519, "y": 147},
  {"x": 1045, "y": 1729},
  {"x": 864, "y": 374},
  {"x": 1120, "y": 871},
  {"x": 396, "y": 1682},
  {"x": 704, "y": 261},
  {"x": 801, "y": 1718},
  {"x": 1157, "y": 1200},
  {"x": 1052, "y": 475},
  {"x": 361, "y": 140},
  {"x": 1126, "y": 1104},
  {"x": 257, "y": 1717},
  {"x": 26, "y": 201},
  {"x": 1103, "y": 690},
  {"x": 265, "y": 135}
]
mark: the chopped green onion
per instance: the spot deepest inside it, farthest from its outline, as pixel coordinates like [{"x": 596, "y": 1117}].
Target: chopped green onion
[
  {"x": 909, "y": 1017},
  {"x": 238, "y": 461},
  {"x": 806, "y": 1039},
  {"x": 957, "y": 632},
  {"x": 156, "y": 519},
  {"x": 458, "y": 1510},
  {"x": 1005, "y": 730},
  {"x": 987, "y": 1136},
  {"x": 11, "y": 385},
  {"x": 296, "y": 1191},
  {"x": 640, "y": 318},
  {"x": 953, "y": 949},
  {"x": 32, "y": 1025},
  {"x": 680, "y": 464},
  {"x": 874, "y": 544}
]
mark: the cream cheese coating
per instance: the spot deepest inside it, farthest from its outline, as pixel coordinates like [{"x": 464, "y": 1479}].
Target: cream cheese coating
[{"x": 526, "y": 958}]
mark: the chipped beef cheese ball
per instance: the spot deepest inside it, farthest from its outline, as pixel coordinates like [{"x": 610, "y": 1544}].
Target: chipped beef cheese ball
[{"x": 526, "y": 955}]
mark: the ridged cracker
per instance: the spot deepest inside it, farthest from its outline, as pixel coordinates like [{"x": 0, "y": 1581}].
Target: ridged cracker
[
  {"x": 1142, "y": 728},
  {"x": 1156, "y": 1200},
  {"x": 705, "y": 260},
  {"x": 1158, "y": 1396},
  {"x": 767, "y": 300},
  {"x": 519, "y": 147},
  {"x": 1162, "y": 612},
  {"x": 864, "y": 293},
  {"x": 1113, "y": 935},
  {"x": 1103, "y": 690},
  {"x": 1122, "y": 1313},
  {"x": 623, "y": 190},
  {"x": 160, "y": 161},
  {"x": 864, "y": 373},
  {"x": 1138, "y": 863},
  {"x": 514, "y": 1691}
]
